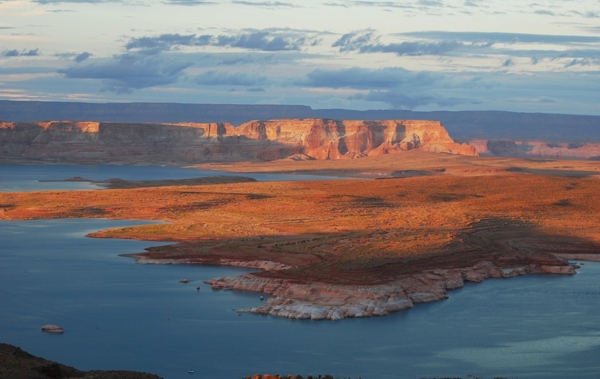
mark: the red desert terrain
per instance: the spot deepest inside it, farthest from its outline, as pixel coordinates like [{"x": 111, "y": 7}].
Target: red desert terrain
[{"x": 361, "y": 247}]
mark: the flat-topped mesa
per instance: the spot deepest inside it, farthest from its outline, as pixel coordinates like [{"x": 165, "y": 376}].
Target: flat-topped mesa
[{"x": 202, "y": 142}]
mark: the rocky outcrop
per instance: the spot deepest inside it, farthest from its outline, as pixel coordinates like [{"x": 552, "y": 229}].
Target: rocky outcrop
[
  {"x": 536, "y": 149},
  {"x": 184, "y": 143},
  {"x": 318, "y": 301},
  {"x": 18, "y": 364},
  {"x": 51, "y": 328}
]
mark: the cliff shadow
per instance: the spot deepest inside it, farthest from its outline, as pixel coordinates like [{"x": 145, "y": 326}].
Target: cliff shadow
[{"x": 341, "y": 131}]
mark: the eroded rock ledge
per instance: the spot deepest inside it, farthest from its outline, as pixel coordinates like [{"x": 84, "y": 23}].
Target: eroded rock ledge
[{"x": 318, "y": 301}]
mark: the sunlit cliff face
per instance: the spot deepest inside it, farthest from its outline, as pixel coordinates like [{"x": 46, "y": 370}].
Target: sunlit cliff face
[{"x": 130, "y": 143}]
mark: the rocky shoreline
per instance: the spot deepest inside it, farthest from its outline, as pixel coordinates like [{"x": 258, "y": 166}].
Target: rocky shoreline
[{"x": 319, "y": 301}]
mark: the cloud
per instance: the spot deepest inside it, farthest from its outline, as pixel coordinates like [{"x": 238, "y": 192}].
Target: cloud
[
  {"x": 508, "y": 63},
  {"x": 502, "y": 37},
  {"x": 364, "y": 42},
  {"x": 127, "y": 72},
  {"x": 165, "y": 42},
  {"x": 400, "y": 99},
  {"x": 255, "y": 89},
  {"x": 189, "y": 2},
  {"x": 234, "y": 59},
  {"x": 214, "y": 78},
  {"x": 76, "y": 1},
  {"x": 83, "y": 56},
  {"x": 431, "y": 3},
  {"x": 353, "y": 41},
  {"x": 586, "y": 14},
  {"x": 580, "y": 62},
  {"x": 418, "y": 4},
  {"x": 267, "y": 4},
  {"x": 23, "y": 53},
  {"x": 361, "y": 78},
  {"x": 30, "y": 53},
  {"x": 336, "y": 5},
  {"x": 258, "y": 40},
  {"x": 412, "y": 48},
  {"x": 380, "y": 4},
  {"x": 544, "y": 12},
  {"x": 11, "y": 53}
]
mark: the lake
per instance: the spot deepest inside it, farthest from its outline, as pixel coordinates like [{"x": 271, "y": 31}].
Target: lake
[
  {"x": 120, "y": 315},
  {"x": 27, "y": 178}
]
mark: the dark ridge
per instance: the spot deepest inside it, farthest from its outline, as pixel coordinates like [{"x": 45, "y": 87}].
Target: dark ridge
[
  {"x": 147, "y": 112},
  {"x": 18, "y": 364},
  {"x": 492, "y": 124},
  {"x": 464, "y": 125}
]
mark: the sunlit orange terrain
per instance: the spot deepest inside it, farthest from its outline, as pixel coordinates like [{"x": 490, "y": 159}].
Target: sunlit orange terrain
[{"x": 351, "y": 231}]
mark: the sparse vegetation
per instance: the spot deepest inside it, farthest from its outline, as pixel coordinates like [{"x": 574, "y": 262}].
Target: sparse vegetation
[{"x": 347, "y": 232}]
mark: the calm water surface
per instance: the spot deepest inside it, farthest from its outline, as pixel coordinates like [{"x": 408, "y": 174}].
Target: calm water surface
[
  {"x": 119, "y": 315},
  {"x": 27, "y": 178}
]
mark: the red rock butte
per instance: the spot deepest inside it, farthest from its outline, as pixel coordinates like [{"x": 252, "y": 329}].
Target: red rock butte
[{"x": 298, "y": 139}]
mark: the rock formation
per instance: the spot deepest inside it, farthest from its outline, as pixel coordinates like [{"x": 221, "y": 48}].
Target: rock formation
[
  {"x": 536, "y": 149},
  {"x": 318, "y": 301},
  {"x": 18, "y": 364},
  {"x": 185, "y": 143}
]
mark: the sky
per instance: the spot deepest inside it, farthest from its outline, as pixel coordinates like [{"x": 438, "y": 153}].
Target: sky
[{"x": 424, "y": 55}]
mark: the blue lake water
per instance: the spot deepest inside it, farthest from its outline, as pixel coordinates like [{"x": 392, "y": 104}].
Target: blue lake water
[
  {"x": 27, "y": 178},
  {"x": 120, "y": 315}
]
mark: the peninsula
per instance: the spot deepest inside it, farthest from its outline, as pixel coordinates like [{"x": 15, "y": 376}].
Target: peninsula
[{"x": 352, "y": 248}]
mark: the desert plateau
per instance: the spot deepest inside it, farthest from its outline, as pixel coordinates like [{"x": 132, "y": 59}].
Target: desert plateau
[
  {"x": 257, "y": 189},
  {"x": 421, "y": 216}
]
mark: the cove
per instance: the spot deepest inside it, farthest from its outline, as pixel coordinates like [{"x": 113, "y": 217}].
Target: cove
[
  {"x": 119, "y": 315},
  {"x": 27, "y": 178}
]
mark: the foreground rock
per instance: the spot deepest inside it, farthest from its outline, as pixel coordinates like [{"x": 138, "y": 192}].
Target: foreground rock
[
  {"x": 318, "y": 301},
  {"x": 18, "y": 364},
  {"x": 185, "y": 143}
]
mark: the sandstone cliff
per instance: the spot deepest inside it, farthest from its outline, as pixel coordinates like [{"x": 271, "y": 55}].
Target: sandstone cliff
[{"x": 183, "y": 143}]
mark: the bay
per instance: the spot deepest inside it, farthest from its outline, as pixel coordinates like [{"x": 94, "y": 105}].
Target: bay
[
  {"x": 35, "y": 178},
  {"x": 121, "y": 315}
]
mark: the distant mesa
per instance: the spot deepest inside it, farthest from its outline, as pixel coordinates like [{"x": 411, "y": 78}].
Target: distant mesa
[
  {"x": 465, "y": 125},
  {"x": 536, "y": 149},
  {"x": 188, "y": 143}
]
